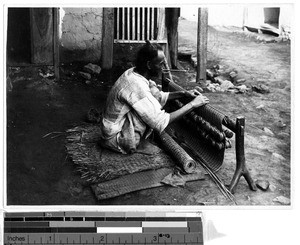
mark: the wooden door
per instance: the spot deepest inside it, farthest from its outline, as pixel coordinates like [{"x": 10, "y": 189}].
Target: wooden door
[{"x": 41, "y": 35}]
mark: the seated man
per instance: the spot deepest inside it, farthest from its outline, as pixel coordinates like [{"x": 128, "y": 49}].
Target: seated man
[{"x": 134, "y": 104}]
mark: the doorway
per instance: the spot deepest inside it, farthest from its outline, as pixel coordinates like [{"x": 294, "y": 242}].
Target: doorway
[
  {"x": 18, "y": 36},
  {"x": 271, "y": 21},
  {"x": 272, "y": 16}
]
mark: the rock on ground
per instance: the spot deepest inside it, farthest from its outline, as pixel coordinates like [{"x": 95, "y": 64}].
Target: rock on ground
[
  {"x": 262, "y": 184},
  {"x": 92, "y": 68},
  {"x": 282, "y": 200}
]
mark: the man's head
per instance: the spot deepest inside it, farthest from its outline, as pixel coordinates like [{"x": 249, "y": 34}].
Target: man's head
[{"x": 150, "y": 59}]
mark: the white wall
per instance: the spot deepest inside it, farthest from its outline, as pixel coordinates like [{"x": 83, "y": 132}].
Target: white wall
[
  {"x": 226, "y": 15},
  {"x": 255, "y": 16},
  {"x": 218, "y": 15},
  {"x": 189, "y": 13},
  {"x": 232, "y": 14}
]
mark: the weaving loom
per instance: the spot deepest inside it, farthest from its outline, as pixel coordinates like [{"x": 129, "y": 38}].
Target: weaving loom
[{"x": 201, "y": 133}]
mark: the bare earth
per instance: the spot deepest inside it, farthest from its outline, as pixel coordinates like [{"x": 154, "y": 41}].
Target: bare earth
[
  {"x": 268, "y": 63},
  {"x": 40, "y": 173}
]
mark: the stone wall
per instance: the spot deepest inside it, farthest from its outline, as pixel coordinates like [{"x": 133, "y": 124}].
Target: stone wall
[{"x": 81, "y": 36}]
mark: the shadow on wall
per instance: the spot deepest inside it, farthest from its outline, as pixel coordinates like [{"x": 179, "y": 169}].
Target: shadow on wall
[
  {"x": 82, "y": 55},
  {"x": 125, "y": 54}
]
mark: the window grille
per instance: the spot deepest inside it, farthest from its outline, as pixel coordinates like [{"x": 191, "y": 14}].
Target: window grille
[{"x": 138, "y": 24}]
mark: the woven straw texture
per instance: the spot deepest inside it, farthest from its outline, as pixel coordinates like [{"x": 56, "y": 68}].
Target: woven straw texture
[
  {"x": 129, "y": 183},
  {"x": 142, "y": 180},
  {"x": 96, "y": 164},
  {"x": 180, "y": 155},
  {"x": 188, "y": 135}
]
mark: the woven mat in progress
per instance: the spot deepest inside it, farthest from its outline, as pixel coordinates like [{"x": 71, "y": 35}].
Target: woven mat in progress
[
  {"x": 129, "y": 183},
  {"x": 113, "y": 174},
  {"x": 97, "y": 164},
  {"x": 188, "y": 135},
  {"x": 142, "y": 180}
]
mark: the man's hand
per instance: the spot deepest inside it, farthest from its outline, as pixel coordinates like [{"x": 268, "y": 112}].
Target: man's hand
[
  {"x": 194, "y": 92},
  {"x": 196, "y": 102},
  {"x": 185, "y": 94},
  {"x": 199, "y": 101}
]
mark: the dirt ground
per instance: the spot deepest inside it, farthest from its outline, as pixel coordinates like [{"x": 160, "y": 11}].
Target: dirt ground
[{"x": 39, "y": 172}]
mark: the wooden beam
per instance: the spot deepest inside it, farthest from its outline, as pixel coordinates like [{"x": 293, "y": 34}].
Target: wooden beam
[
  {"x": 161, "y": 25},
  {"x": 128, "y": 23},
  {"x": 56, "y": 42},
  {"x": 152, "y": 25},
  {"x": 133, "y": 24},
  {"x": 41, "y": 28},
  {"x": 32, "y": 59},
  {"x": 118, "y": 22},
  {"x": 108, "y": 38},
  {"x": 202, "y": 45},
  {"x": 172, "y": 15},
  {"x": 123, "y": 23},
  {"x": 143, "y": 23},
  {"x": 245, "y": 18}
]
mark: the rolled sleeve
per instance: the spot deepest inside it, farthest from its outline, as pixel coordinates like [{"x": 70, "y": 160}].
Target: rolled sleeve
[
  {"x": 163, "y": 95},
  {"x": 149, "y": 109},
  {"x": 164, "y": 98}
]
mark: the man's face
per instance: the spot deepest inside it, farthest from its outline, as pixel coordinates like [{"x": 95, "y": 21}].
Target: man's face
[{"x": 157, "y": 64}]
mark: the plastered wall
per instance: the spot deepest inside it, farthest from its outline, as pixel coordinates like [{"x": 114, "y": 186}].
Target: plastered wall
[
  {"x": 233, "y": 14},
  {"x": 81, "y": 34}
]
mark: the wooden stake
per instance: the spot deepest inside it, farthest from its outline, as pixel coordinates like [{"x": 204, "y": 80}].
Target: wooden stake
[
  {"x": 202, "y": 45},
  {"x": 241, "y": 169}
]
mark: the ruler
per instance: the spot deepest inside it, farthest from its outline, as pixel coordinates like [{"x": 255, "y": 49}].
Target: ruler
[{"x": 88, "y": 228}]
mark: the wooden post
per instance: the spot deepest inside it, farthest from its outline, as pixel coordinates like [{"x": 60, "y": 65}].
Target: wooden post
[
  {"x": 56, "y": 43},
  {"x": 172, "y": 15},
  {"x": 245, "y": 18},
  {"x": 41, "y": 28},
  {"x": 202, "y": 45},
  {"x": 161, "y": 25},
  {"x": 241, "y": 169},
  {"x": 108, "y": 38}
]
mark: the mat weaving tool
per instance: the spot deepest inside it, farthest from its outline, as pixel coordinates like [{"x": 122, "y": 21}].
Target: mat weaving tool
[{"x": 205, "y": 132}]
